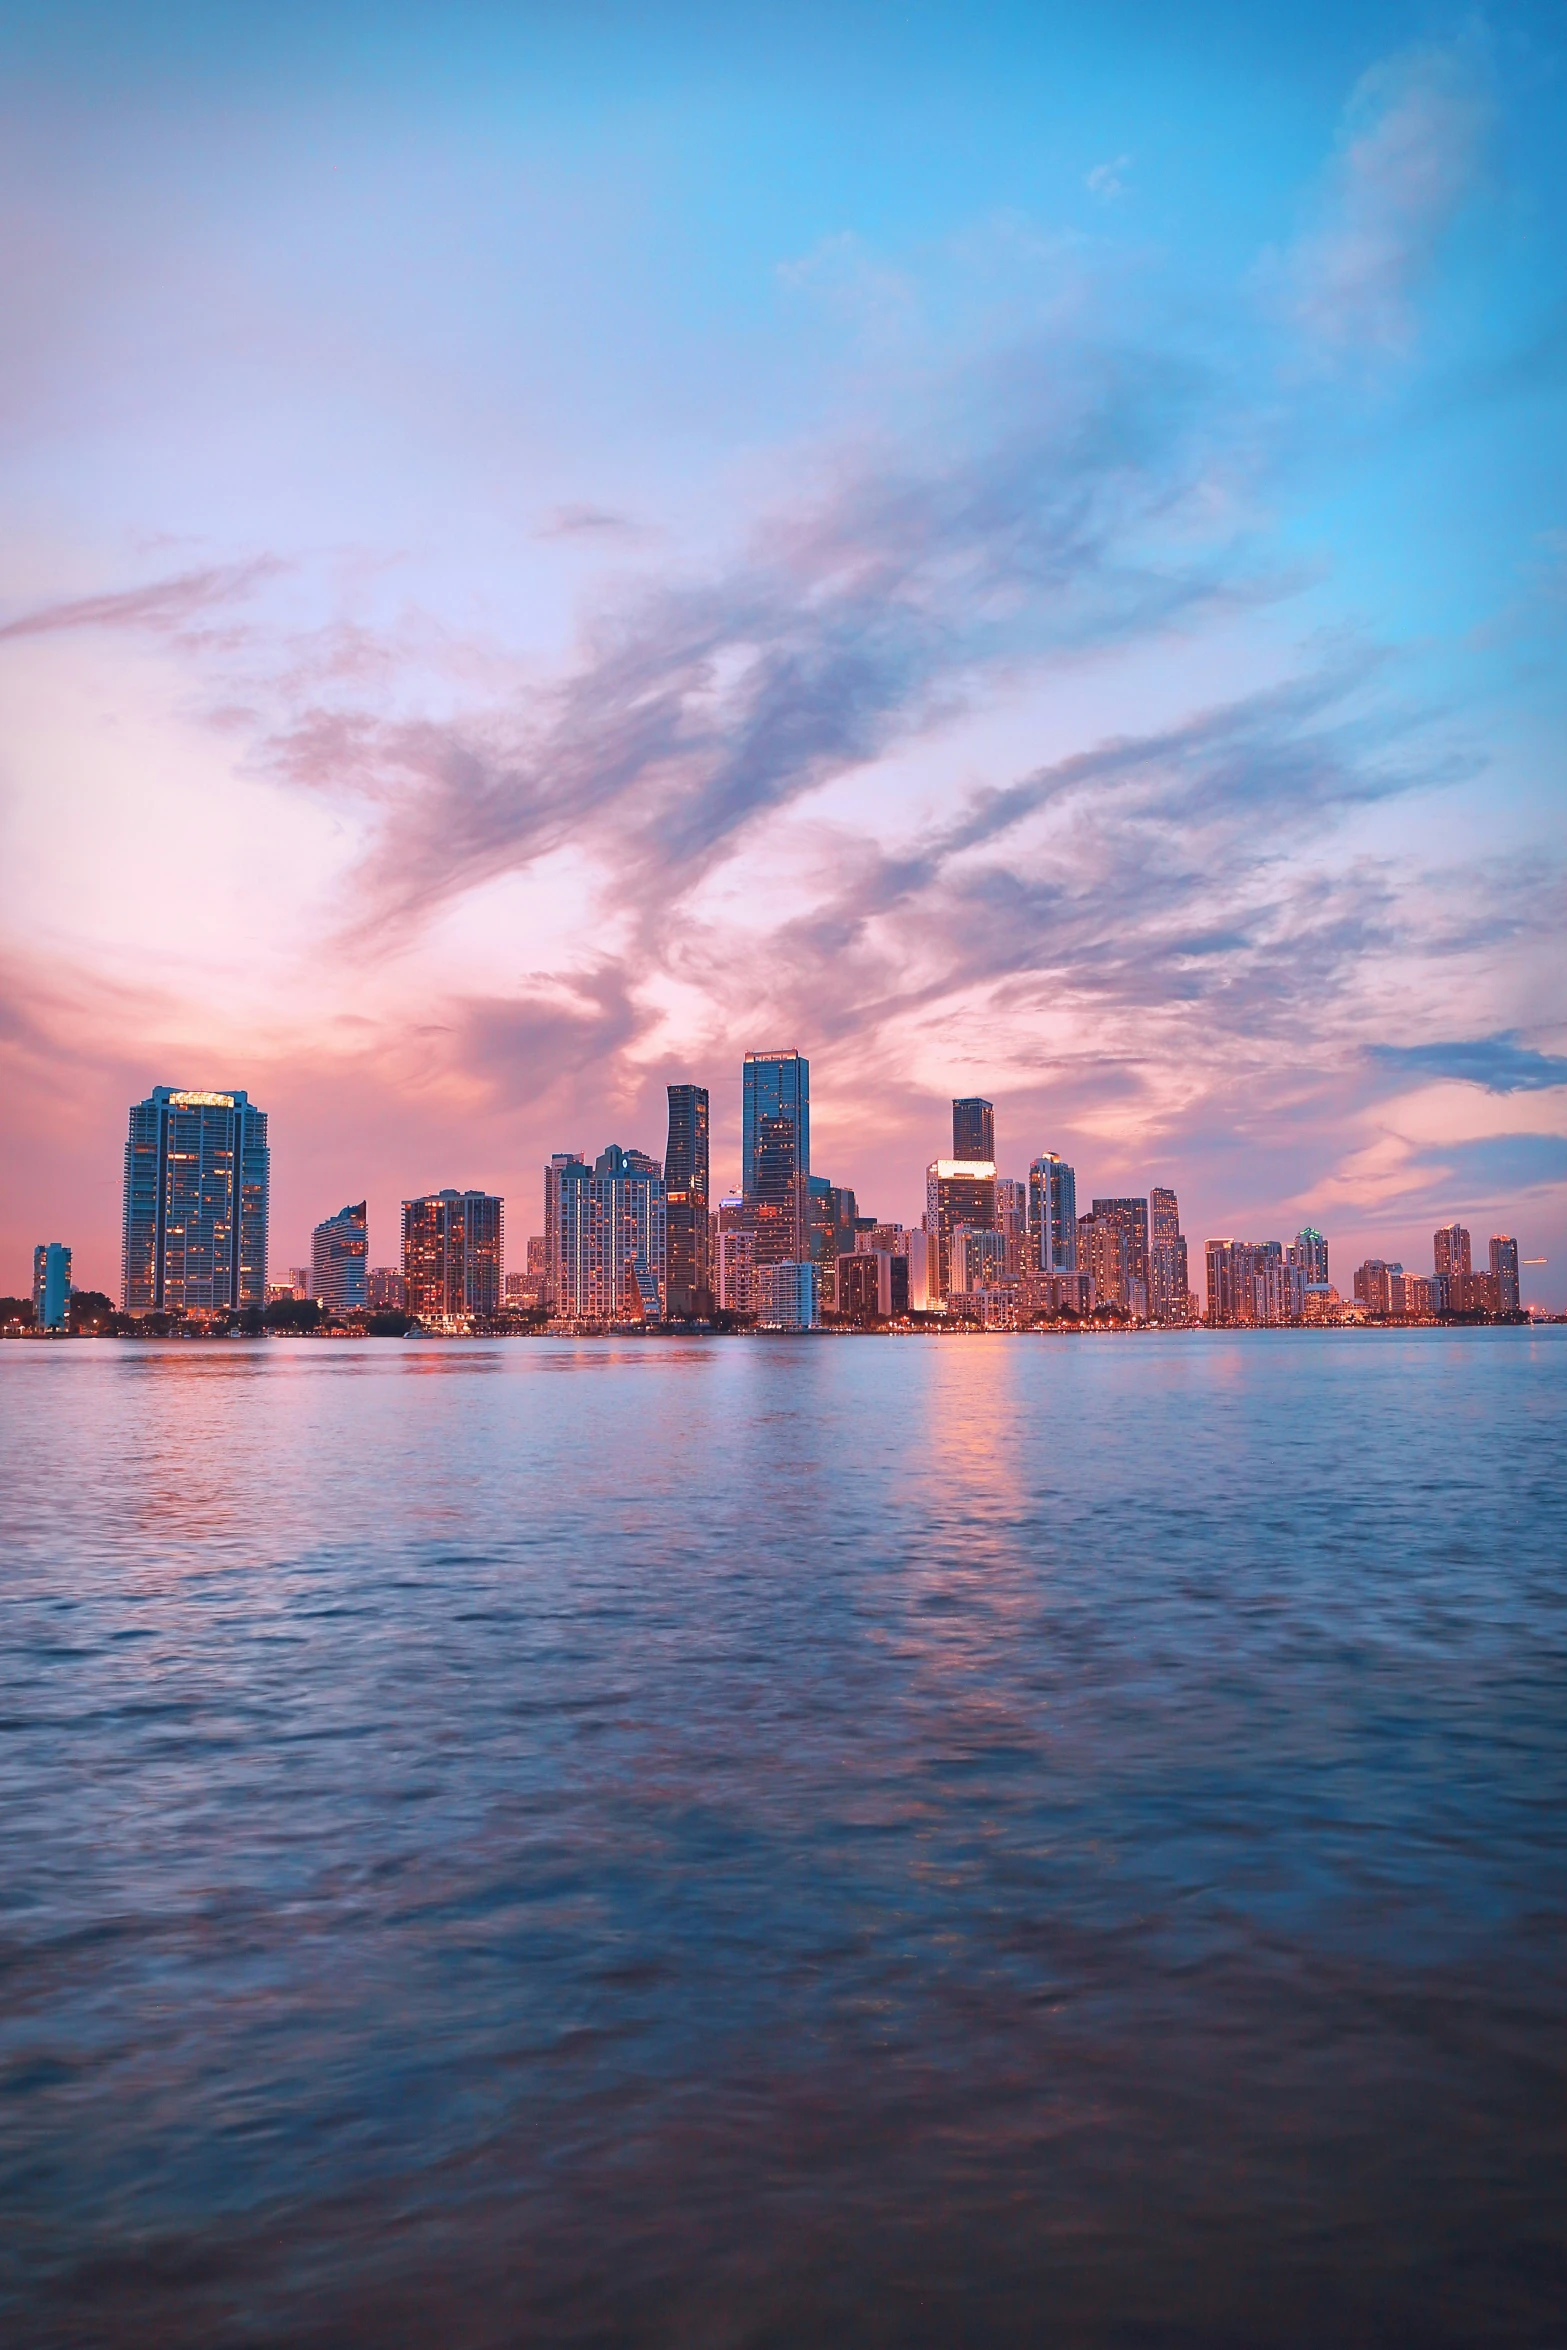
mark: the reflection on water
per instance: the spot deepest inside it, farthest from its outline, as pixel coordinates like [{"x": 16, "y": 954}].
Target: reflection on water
[{"x": 775, "y": 1843}]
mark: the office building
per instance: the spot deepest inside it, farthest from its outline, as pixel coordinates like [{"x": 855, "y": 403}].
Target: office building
[
  {"x": 384, "y": 1291},
  {"x": 1451, "y": 1249},
  {"x": 1046, "y": 1297},
  {"x": 775, "y": 1152},
  {"x": 52, "y": 1285},
  {"x": 1169, "y": 1301},
  {"x": 1129, "y": 1216},
  {"x": 788, "y": 1296},
  {"x": 1104, "y": 1254},
  {"x": 1380, "y": 1288},
  {"x": 974, "y": 1129},
  {"x": 957, "y": 1191},
  {"x": 339, "y": 1248},
  {"x": 686, "y": 1210},
  {"x": 453, "y": 1245},
  {"x": 197, "y": 1185},
  {"x": 1504, "y": 1272},
  {"x": 1052, "y": 1214},
  {"x": 298, "y": 1282},
  {"x": 872, "y": 1236}
]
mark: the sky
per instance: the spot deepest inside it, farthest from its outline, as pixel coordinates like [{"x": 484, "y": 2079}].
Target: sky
[{"x": 1015, "y": 549}]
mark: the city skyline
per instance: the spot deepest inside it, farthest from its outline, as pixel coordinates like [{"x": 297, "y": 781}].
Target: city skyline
[{"x": 1029, "y": 559}]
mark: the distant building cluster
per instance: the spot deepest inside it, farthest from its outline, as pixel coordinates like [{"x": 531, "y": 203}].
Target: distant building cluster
[
  {"x": 629, "y": 1239},
  {"x": 1386, "y": 1293}
]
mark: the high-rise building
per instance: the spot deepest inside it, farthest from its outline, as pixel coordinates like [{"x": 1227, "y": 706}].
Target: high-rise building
[
  {"x": 775, "y": 1152},
  {"x": 1104, "y": 1254},
  {"x": 52, "y": 1285},
  {"x": 1379, "y": 1287},
  {"x": 453, "y": 1247},
  {"x": 957, "y": 1191},
  {"x": 384, "y": 1291},
  {"x": 788, "y": 1296},
  {"x": 1504, "y": 1271},
  {"x": 1168, "y": 1297},
  {"x": 974, "y": 1129},
  {"x": 1012, "y": 1221},
  {"x": 686, "y": 1201},
  {"x": 1248, "y": 1284},
  {"x": 1451, "y": 1248},
  {"x": 564, "y": 1224},
  {"x": 1308, "y": 1253},
  {"x": 734, "y": 1255},
  {"x": 1052, "y": 1214},
  {"x": 977, "y": 1260},
  {"x": 1131, "y": 1217},
  {"x": 613, "y": 1262},
  {"x": 873, "y": 1286},
  {"x": 339, "y": 1247},
  {"x": 197, "y": 1180}
]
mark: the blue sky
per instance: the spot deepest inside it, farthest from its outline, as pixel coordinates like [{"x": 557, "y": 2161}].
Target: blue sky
[{"x": 1014, "y": 551}]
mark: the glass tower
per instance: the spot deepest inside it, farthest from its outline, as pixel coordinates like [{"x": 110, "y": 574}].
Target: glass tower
[
  {"x": 1052, "y": 1212},
  {"x": 974, "y": 1129},
  {"x": 689, "y": 1285},
  {"x": 453, "y": 1246},
  {"x": 52, "y": 1284},
  {"x": 197, "y": 1183},
  {"x": 775, "y": 1153}
]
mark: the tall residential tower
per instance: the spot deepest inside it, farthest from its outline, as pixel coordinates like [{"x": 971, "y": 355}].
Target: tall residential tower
[{"x": 197, "y": 1180}]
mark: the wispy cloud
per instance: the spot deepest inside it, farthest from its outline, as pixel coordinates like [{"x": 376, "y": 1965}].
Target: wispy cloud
[
  {"x": 1411, "y": 144},
  {"x": 160, "y": 606},
  {"x": 1110, "y": 181}
]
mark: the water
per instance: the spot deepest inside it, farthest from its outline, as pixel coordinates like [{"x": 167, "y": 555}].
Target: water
[{"x": 750, "y": 1842}]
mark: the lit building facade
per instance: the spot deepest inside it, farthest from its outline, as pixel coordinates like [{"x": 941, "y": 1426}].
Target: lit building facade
[
  {"x": 977, "y": 1260},
  {"x": 1052, "y": 1214},
  {"x": 957, "y": 1191},
  {"x": 1169, "y": 1299},
  {"x": 610, "y": 1220},
  {"x": 339, "y": 1249},
  {"x": 775, "y": 1152},
  {"x": 51, "y": 1285},
  {"x": 1450, "y": 1247},
  {"x": 734, "y": 1256},
  {"x": 1248, "y": 1285},
  {"x": 873, "y": 1286},
  {"x": 1504, "y": 1272},
  {"x": 384, "y": 1291},
  {"x": 565, "y": 1172},
  {"x": 974, "y": 1129},
  {"x": 453, "y": 1251},
  {"x": 1308, "y": 1253},
  {"x": 1130, "y": 1217},
  {"x": 788, "y": 1296},
  {"x": 197, "y": 1196},
  {"x": 689, "y": 1276}
]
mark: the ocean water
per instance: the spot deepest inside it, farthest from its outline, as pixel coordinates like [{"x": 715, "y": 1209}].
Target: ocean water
[{"x": 775, "y": 1842}]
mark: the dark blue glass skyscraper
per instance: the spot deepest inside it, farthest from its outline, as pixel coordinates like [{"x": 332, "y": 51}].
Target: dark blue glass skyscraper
[{"x": 775, "y": 1152}]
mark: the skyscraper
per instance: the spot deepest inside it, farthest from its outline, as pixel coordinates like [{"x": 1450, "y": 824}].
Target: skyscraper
[
  {"x": 1131, "y": 1217},
  {"x": 1168, "y": 1296},
  {"x": 689, "y": 1280},
  {"x": 1504, "y": 1271},
  {"x": 957, "y": 1191},
  {"x": 973, "y": 1129},
  {"x": 339, "y": 1248},
  {"x": 1052, "y": 1214},
  {"x": 1451, "y": 1249},
  {"x": 775, "y": 1152},
  {"x": 197, "y": 1179},
  {"x": 453, "y": 1246},
  {"x": 611, "y": 1223},
  {"x": 566, "y": 1171},
  {"x": 1308, "y": 1253},
  {"x": 1012, "y": 1221},
  {"x": 52, "y": 1284}
]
